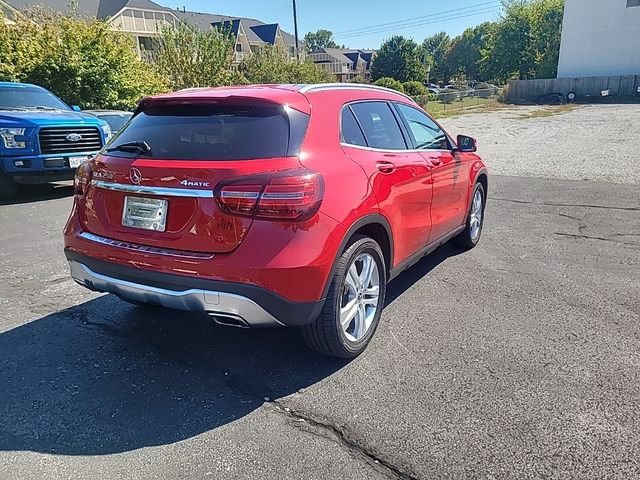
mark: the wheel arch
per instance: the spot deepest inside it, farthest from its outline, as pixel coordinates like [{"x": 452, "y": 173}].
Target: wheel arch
[{"x": 375, "y": 226}]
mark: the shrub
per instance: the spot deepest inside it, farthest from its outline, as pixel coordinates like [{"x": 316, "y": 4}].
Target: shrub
[
  {"x": 272, "y": 64},
  {"x": 358, "y": 80},
  {"x": 83, "y": 62},
  {"x": 389, "y": 82},
  {"x": 189, "y": 57},
  {"x": 415, "y": 89}
]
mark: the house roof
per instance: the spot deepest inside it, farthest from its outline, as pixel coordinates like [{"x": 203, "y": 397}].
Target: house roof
[
  {"x": 267, "y": 33},
  {"x": 256, "y": 30},
  {"x": 89, "y": 8}
]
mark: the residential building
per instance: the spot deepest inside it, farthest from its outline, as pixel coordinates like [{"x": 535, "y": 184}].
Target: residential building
[
  {"x": 600, "y": 38},
  {"x": 144, "y": 19},
  {"x": 345, "y": 64}
]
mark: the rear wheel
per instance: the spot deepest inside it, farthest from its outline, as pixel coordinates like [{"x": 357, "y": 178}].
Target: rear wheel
[
  {"x": 354, "y": 303},
  {"x": 470, "y": 237},
  {"x": 8, "y": 188}
]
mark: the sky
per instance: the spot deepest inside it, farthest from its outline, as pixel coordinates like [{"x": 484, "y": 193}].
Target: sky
[{"x": 357, "y": 23}]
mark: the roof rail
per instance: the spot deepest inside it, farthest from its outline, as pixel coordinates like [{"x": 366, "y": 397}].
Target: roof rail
[{"x": 356, "y": 86}]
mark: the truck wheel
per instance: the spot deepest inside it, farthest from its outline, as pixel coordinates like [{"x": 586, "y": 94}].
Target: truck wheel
[
  {"x": 8, "y": 188},
  {"x": 354, "y": 303}
]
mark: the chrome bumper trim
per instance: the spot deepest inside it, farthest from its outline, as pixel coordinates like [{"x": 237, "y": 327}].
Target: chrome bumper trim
[
  {"x": 144, "y": 248},
  {"x": 161, "y": 191},
  {"x": 193, "y": 300}
]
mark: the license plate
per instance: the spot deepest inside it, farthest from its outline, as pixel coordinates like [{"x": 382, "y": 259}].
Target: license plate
[
  {"x": 75, "y": 162},
  {"x": 145, "y": 213}
]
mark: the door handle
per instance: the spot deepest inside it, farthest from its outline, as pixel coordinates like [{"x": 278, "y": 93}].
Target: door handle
[{"x": 386, "y": 167}]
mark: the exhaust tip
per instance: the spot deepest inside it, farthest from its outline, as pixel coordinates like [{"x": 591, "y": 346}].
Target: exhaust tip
[{"x": 229, "y": 320}]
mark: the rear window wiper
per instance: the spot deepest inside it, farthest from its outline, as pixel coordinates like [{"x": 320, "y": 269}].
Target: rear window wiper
[{"x": 132, "y": 147}]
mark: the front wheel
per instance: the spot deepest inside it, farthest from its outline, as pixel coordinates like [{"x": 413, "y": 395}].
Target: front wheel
[
  {"x": 354, "y": 303},
  {"x": 470, "y": 237}
]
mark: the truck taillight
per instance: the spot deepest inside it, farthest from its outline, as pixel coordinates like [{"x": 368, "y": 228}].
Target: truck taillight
[
  {"x": 82, "y": 179},
  {"x": 290, "y": 195}
]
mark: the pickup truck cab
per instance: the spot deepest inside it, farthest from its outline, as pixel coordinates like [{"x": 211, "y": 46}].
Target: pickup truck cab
[{"x": 42, "y": 139}]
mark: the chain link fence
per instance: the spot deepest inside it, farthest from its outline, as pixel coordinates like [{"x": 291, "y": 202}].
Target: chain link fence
[{"x": 451, "y": 100}]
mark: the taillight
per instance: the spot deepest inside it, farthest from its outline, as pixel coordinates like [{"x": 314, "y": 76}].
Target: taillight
[
  {"x": 293, "y": 195},
  {"x": 82, "y": 179}
]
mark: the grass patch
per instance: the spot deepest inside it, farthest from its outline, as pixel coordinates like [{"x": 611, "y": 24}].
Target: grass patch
[
  {"x": 469, "y": 105},
  {"x": 548, "y": 111}
]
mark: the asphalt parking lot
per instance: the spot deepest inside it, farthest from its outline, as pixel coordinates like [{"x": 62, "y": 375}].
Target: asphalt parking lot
[{"x": 519, "y": 359}]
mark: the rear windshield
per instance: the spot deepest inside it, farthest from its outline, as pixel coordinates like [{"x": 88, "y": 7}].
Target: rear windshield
[{"x": 214, "y": 132}]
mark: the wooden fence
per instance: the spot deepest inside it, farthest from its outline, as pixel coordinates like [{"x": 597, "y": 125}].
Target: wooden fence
[{"x": 619, "y": 86}]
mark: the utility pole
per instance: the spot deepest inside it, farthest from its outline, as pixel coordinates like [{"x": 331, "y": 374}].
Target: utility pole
[{"x": 295, "y": 28}]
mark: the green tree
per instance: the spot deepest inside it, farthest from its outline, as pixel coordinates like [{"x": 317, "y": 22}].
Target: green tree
[
  {"x": 190, "y": 57},
  {"x": 316, "y": 41},
  {"x": 464, "y": 55},
  {"x": 272, "y": 64},
  {"x": 525, "y": 42},
  {"x": 398, "y": 58},
  {"x": 389, "y": 82},
  {"x": 415, "y": 89},
  {"x": 83, "y": 62},
  {"x": 433, "y": 50}
]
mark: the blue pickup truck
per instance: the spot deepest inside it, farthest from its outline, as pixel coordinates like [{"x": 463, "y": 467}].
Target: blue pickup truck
[{"x": 42, "y": 139}]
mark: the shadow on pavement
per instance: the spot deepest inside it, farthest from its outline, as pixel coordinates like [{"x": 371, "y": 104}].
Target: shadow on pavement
[
  {"x": 409, "y": 277},
  {"x": 39, "y": 193},
  {"x": 104, "y": 377}
]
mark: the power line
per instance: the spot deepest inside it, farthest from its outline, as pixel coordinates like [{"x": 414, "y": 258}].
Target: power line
[
  {"x": 468, "y": 7},
  {"x": 412, "y": 24}
]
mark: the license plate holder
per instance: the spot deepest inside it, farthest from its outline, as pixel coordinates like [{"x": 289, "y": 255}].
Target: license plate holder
[
  {"x": 75, "y": 162},
  {"x": 145, "y": 213}
]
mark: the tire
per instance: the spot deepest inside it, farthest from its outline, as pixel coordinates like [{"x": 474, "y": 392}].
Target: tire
[
  {"x": 8, "y": 188},
  {"x": 571, "y": 97},
  {"x": 327, "y": 334},
  {"x": 470, "y": 237}
]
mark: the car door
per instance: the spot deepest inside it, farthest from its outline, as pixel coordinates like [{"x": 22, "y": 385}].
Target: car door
[
  {"x": 449, "y": 171},
  {"x": 400, "y": 179}
]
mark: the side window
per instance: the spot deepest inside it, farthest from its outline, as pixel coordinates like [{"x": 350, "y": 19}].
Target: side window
[
  {"x": 380, "y": 126},
  {"x": 426, "y": 134},
  {"x": 350, "y": 130}
]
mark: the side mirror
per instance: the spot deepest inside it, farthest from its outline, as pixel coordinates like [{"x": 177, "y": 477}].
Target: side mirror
[
  {"x": 466, "y": 144},
  {"x": 76, "y": 108}
]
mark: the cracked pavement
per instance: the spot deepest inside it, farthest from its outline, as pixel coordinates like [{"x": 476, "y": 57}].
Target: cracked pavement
[{"x": 519, "y": 359}]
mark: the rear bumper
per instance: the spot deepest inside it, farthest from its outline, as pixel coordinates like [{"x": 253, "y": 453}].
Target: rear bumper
[{"x": 246, "y": 305}]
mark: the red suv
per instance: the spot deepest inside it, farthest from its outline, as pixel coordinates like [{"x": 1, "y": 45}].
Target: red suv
[{"x": 271, "y": 205}]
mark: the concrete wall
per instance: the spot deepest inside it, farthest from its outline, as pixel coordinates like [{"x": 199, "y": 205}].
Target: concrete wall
[{"x": 600, "y": 38}]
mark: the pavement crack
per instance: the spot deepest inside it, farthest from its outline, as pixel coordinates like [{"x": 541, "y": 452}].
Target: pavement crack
[
  {"x": 591, "y": 237},
  {"x": 340, "y": 435},
  {"x": 551, "y": 204},
  {"x": 582, "y": 226}
]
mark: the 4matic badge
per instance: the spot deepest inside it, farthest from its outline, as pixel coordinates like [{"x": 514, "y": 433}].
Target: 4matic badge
[{"x": 193, "y": 183}]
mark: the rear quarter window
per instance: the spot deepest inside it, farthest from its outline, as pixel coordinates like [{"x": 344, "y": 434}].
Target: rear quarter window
[{"x": 214, "y": 132}]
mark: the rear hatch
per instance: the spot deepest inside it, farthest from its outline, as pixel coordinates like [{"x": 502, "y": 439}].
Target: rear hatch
[{"x": 158, "y": 182}]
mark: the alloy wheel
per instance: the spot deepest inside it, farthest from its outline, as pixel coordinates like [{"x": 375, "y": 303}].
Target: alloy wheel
[
  {"x": 360, "y": 297},
  {"x": 475, "y": 221}
]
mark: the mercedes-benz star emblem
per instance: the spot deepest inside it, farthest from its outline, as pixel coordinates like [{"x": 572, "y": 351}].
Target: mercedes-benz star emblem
[{"x": 135, "y": 176}]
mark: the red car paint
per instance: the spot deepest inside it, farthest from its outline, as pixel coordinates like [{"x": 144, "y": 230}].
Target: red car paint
[{"x": 416, "y": 197}]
